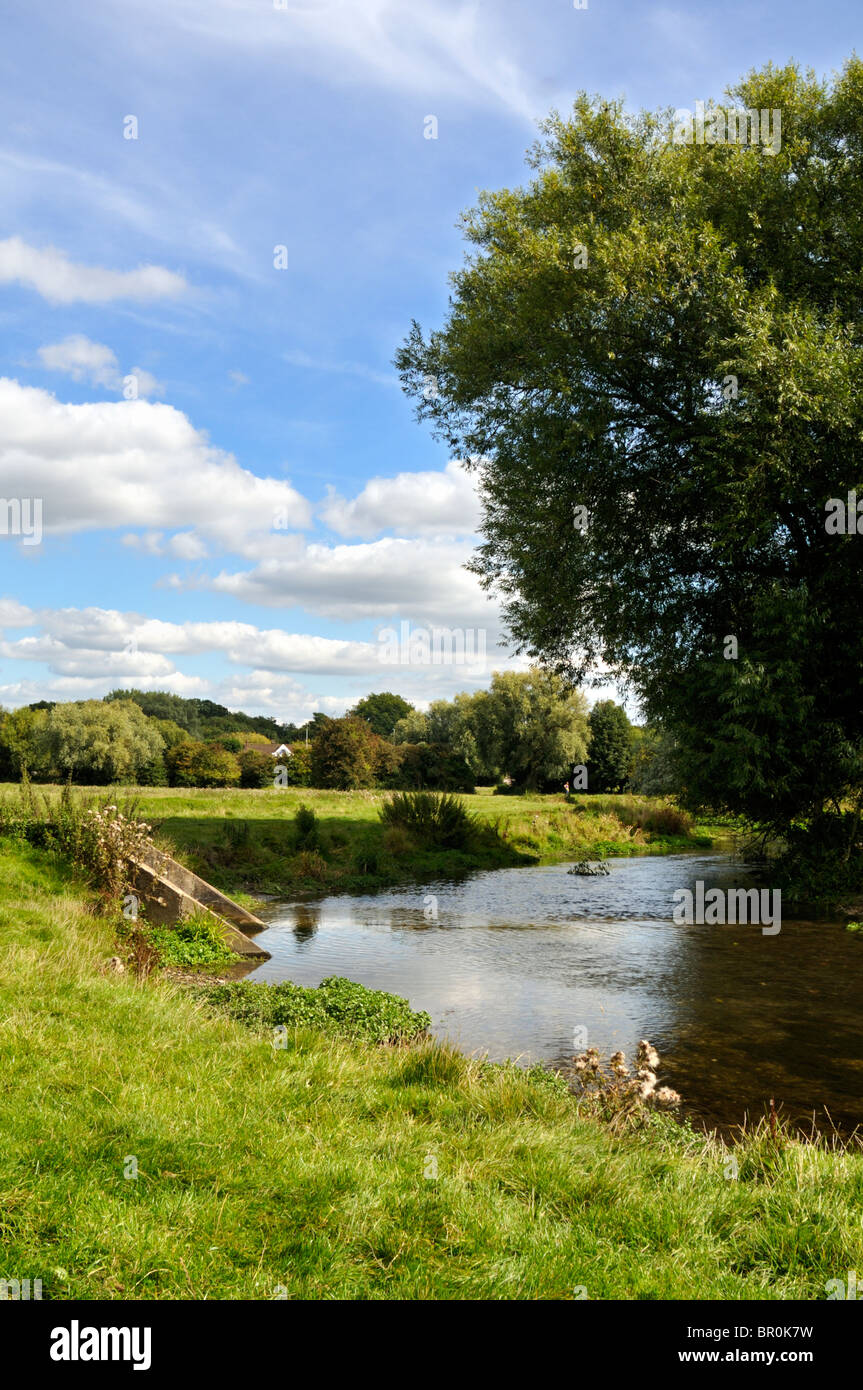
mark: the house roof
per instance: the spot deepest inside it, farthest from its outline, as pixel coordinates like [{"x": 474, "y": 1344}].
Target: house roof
[{"x": 273, "y": 748}]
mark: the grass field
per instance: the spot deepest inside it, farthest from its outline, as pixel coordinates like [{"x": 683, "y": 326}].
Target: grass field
[
  {"x": 264, "y": 1173},
  {"x": 245, "y": 841}
]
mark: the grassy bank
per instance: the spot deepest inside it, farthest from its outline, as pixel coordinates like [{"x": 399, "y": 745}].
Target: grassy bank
[
  {"x": 246, "y": 841},
  {"x": 302, "y": 1169}
]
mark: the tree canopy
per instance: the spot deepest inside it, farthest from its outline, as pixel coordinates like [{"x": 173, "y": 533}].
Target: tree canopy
[
  {"x": 652, "y": 361},
  {"x": 91, "y": 741},
  {"x": 382, "y": 712},
  {"x": 527, "y": 725},
  {"x": 608, "y": 765}
]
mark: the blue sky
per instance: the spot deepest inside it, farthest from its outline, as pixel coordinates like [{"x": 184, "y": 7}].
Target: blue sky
[{"x": 247, "y": 527}]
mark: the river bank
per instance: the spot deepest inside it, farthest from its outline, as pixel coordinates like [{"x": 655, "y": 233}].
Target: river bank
[
  {"x": 247, "y": 842},
  {"x": 155, "y": 1150}
]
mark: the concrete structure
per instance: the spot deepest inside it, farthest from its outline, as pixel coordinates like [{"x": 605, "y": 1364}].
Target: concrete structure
[{"x": 171, "y": 892}]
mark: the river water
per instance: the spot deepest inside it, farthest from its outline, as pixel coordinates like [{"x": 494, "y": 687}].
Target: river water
[{"x": 519, "y": 959}]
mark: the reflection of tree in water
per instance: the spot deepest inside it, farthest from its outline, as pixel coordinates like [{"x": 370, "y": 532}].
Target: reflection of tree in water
[{"x": 307, "y": 918}]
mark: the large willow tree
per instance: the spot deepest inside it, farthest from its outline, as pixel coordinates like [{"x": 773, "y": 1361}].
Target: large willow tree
[{"x": 652, "y": 360}]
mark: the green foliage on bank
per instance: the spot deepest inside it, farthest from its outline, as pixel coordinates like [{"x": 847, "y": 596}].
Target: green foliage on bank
[
  {"x": 191, "y": 943},
  {"x": 336, "y": 1006}
]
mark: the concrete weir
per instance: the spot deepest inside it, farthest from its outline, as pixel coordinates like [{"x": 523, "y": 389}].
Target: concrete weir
[{"x": 172, "y": 891}]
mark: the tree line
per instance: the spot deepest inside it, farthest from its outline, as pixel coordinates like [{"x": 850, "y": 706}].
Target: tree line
[{"x": 527, "y": 732}]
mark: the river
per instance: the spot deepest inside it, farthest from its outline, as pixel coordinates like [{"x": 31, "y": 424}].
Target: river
[{"x": 514, "y": 961}]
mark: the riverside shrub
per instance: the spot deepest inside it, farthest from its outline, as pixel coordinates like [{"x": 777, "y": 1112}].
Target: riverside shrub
[
  {"x": 338, "y": 1006},
  {"x": 432, "y": 818}
]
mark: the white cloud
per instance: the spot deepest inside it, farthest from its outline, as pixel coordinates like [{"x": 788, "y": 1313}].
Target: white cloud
[
  {"x": 423, "y": 580},
  {"x": 86, "y": 652},
  {"x": 185, "y": 545},
  {"x": 108, "y": 464},
  {"x": 124, "y": 665},
  {"x": 15, "y": 614},
  {"x": 95, "y": 640},
  {"x": 82, "y": 359},
  {"x": 61, "y": 281},
  {"x": 26, "y": 692},
  {"x": 411, "y": 504}
]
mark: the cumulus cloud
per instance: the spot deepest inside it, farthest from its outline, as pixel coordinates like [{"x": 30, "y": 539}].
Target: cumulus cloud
[
  {"x": 109, "y": 464},
  {"x": 185, "y": 545},
  {"x": 52, "y": 275},
  {"x": 118, "y": 647},
  {"x": 410, "y": 504},
  {"x": 27, "y": 692},
  {"x": 422, "y": 579},
  {"x": 15, "y": 614},
  {"x": 95, "y": 363},
  {"x": 127, "y": 664},
  {"x": 95, "y": 641}
]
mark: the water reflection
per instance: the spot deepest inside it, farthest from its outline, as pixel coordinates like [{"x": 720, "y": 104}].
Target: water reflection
[
  {"x": 307, "y": 918},
  {"x": 518, "y": 959}
]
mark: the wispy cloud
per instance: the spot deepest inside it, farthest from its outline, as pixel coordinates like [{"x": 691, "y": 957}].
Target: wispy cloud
[
  {"x": 317, "y": 364},
  {"x": 457, "y": 49}
]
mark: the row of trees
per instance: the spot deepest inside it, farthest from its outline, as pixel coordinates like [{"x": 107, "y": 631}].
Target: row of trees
[
  {"x": 98, "y": 742},
  {"x": 527, "y": 728}
]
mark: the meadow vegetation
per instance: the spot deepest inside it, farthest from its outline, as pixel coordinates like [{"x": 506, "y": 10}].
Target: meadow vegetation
[{"x": 290, "y": 840}]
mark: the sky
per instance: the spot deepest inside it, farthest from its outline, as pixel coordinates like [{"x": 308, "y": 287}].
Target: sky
[{"x": 217, "y": 221}]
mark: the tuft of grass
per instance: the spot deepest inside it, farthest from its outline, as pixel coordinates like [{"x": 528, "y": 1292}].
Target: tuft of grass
[
  {"x": 653, "y": 816},
  {"x": 310, "y": 864},
  {"x": 432, "y": 818}
]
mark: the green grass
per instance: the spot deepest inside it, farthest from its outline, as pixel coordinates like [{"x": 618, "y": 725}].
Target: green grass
[
  {"x": 302, "y": 1168},
  {"x": 246, "y": 841}
]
